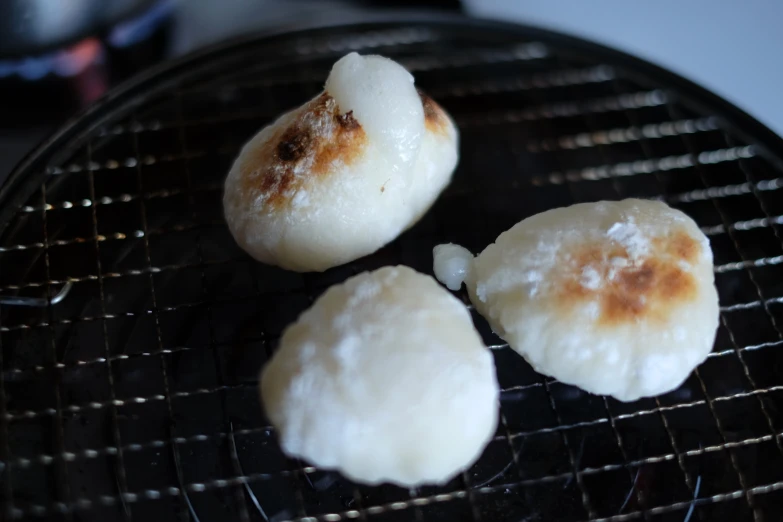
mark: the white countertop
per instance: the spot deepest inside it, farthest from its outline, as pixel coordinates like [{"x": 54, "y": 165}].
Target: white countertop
[{"x": 732, "y": 47}]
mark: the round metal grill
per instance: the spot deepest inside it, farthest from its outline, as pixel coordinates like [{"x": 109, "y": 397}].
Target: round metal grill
[{"x": 132, "y": 394}]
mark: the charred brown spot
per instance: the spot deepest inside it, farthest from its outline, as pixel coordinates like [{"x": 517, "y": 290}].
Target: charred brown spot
[
  {"x": 306, "y": 148},
  {"x": 347, "y": 121},
  {"x": 648, "y": 288},
  {"x": 638, "y": 279},
  {"x": 684, "y": 247},
  {"x": 294, "y": 144},
  {"x": 275, "y": 185},
  {"x": 435, "y": 119}
]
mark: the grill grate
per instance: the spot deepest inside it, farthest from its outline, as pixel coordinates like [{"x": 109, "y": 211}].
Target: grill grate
[{"x": 134, "y": 396}]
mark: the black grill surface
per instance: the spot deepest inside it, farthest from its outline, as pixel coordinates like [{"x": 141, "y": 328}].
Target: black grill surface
[{"x": 134, "y": 397}]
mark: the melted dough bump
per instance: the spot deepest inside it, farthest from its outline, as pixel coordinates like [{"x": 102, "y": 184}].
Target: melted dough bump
[{"x": 345, "y": 173}]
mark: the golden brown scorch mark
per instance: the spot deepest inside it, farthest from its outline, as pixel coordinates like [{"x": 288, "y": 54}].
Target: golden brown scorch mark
[
  {"x": 306, "y": 148},
  {"x": 647, "y": 289},
  {"x": 435, "y": 118}
]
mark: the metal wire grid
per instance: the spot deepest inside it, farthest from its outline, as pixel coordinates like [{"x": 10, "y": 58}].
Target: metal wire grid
[{"x": 135, "y": 396}]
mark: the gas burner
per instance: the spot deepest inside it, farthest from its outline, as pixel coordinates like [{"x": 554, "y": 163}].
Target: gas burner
[{"x": 75, "y": 59}]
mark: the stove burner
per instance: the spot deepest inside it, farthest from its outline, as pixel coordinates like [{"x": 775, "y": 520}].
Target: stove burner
[{"x": 73, "y": 60}]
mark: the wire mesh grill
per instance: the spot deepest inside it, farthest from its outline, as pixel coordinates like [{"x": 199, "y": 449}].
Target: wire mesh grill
[{"x": 134, "y": 396}]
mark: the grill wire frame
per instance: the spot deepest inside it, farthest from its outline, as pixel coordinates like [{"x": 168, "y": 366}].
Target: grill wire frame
[{"x": 527, "y": 102}]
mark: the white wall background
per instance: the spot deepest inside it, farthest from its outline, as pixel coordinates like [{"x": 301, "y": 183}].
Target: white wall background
[{"x": 732, "y": 47}]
